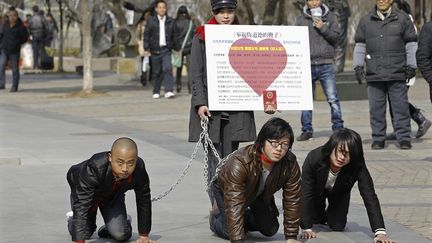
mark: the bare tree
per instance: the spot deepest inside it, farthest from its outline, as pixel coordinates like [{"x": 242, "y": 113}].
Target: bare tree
[
  {"x": 83, "y": 14},
  {"x": 269, "y": 12}
]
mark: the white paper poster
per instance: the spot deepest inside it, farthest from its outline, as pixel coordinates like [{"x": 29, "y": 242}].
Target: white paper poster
[{"x": 243, "y": 61}]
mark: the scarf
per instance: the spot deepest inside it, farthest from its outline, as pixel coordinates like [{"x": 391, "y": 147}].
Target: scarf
[{"x": 200, "y": 31}]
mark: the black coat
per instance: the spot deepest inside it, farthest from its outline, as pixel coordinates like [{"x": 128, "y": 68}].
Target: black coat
[
  {"x": 314, "y": 177},
  {"x": 11, "y": 39},
  {"x": 182, "y": 24},
  {"x": 242, "y": 122},
  {"x": 424, "y": 52},
  {"x": 151, "y": 35},
  {"x": 385, "y": 44},
  {"x": 92, "y": 183}
]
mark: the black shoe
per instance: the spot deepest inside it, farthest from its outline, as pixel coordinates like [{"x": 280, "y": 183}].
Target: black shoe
[
  {"x": 14, "y": 89},
  {"x": 305, "y": 136},
  {"x": 2, "y": 87},
  {"x": 378, "y": 145},
  {"x": 405, "y": 145},
  {"x": 103, "y": 232},
  {"x": 423, "y": 128}
]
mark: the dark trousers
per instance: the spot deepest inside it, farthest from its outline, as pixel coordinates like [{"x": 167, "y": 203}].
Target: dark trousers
[
  {"x": 336, "y": 212},
  {"x": 13, "y": 58},
  {"x": 258, "y": 217},
  {"x": 340, "y": 50},
  {"x": 224, "y": 148},
  {"x": 412, "y": 108},
  {"x": 161, "y": 69},
  {"x": 115, "y": 218},
  {"x": 38, "y": 46},
  {"x": 397, "y": 92}
]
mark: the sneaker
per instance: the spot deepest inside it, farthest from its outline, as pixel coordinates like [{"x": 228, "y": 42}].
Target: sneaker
[
  {"x": 69, "y": 215},
  {"x": 391, "y": 136},
  {"x": 305, "y": 136},
  {"x": 169, "y": 95},
  {"x": 156, "y": 96},
  {"x": 378, "y": 145},
  {"x": 405, "y": 145}
]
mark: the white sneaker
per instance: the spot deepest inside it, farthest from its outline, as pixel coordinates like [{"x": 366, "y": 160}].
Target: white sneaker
[
  {"x": 169, "y": 95},
  {"x": 69, "y": 215},
  {"x": 156, "y": 96}
]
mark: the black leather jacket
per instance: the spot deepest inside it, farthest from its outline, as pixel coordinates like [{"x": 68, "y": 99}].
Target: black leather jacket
[
  {"x": 91, "y": 185},
  {"x": 151, "y": 35}
]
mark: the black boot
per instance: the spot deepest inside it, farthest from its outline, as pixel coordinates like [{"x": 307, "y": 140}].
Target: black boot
[
  {"x": 423, "y": 123},
  {"x": 143, "y": 78}
]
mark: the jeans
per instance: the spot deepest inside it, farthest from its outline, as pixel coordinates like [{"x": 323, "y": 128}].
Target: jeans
[
  {"x": 161, "y": 68},
  {"x": 14, "y": 60},
  {"x": 257, "y": 217},
  {"x": 115, "y": 218},
  {"x": 38, "y": 46},
  {"x": 325, "y": 74}
]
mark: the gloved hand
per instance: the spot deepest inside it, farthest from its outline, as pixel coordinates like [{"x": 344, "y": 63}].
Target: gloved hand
[
  {"x": 409, "y": 72},
  {"x": 359, "y": 74}
]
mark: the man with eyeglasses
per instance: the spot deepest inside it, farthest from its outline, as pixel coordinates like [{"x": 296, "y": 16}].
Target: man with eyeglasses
[
  {"x": 329, "y": 173},
  {"x": 246, "y": 181},
  {"x": 101, "y": 182}
]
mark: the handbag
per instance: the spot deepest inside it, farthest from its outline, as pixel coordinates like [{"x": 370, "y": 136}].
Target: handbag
[{"x": 176, "y": 56}]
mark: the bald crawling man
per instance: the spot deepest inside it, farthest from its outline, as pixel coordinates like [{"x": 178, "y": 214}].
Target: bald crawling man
[{"x": 101, "y": 182}]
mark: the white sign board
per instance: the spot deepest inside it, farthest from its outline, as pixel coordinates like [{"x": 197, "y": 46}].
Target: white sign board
[{"x": 243, "y": 61}]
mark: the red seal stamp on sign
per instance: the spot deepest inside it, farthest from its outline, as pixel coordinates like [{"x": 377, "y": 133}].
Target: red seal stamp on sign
[{"x": 269, "y": 99}]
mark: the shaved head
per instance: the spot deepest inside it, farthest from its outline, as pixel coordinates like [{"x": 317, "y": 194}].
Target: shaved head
[
  {"x": 124, "y": 143},
  {"x": 123, "y": 157}
]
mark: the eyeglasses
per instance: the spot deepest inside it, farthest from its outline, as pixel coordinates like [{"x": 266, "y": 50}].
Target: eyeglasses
[{"x": 275, "y": 144}]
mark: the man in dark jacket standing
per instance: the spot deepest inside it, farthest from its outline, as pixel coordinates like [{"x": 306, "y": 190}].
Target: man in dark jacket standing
[
  {"x": 12, "y": 35},
  {"x": 323, "y": 37},
  {"x": 424, "y": 54},
  {"x": 160, "y": 38},
  {"x": 387, "y": 40},
  {"x": 101, "y": 182}
]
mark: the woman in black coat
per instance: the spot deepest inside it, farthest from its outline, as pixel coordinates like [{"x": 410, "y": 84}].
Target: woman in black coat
[{"x": 330, "y": 172}]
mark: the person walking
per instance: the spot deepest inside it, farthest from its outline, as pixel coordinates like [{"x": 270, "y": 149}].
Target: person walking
[
  {"x": 160, "y": 38},
  {"x": 186, "y": 28},
  {"x": 37, "y": 27},
  {"x": 139, "y": 37},
  {"x": 13, "y": 34}
]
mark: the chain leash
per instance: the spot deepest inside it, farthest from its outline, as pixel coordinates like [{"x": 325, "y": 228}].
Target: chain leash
[{"x": 204, "y": 138}]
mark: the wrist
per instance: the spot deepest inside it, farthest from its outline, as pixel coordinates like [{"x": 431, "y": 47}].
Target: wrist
[{"x": 380, "y": 232}]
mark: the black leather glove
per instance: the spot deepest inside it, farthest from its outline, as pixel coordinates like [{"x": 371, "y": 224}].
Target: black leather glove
[
  {"x": 129, "y": 6},
  {"x": 409, "y": 72},
  {"x": 359, "y": 74}
]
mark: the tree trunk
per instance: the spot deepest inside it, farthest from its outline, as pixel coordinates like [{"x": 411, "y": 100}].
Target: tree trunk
[
  {"x": 61, "y": 38},
  {"x": 250, "y": 13},
  {"x": 118, "y": 12},
  {"x": 282, "y": 18},
  {"x": 269, "y": 12},
  {"x": 87, "y": 46}
]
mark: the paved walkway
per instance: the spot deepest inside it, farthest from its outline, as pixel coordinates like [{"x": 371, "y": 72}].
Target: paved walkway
[{"x": 44, "y": 130}]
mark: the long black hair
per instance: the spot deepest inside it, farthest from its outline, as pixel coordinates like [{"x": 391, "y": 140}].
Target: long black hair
[
  {"x": 182, "y": 12},
  {"x": 354, "y": 142},
  {"x": 274, "y": 128}
]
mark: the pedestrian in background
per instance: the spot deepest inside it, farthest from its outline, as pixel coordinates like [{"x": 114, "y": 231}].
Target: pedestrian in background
[
  {"x": 424, "y": 54},
  {"x": 186, "y": 28},
  {"x": 160, "y": 38},
  {"x": 323, "y": 37},
  {"x": 51, "y": 30},
  {"x": 386, "y": 42},
  {"x": 139, "y": 35},
  {"x": 13, "y": 34},
  {"x": 37, "y": 27}
]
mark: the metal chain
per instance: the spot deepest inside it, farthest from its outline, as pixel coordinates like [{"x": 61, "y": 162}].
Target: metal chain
[{"x": 204, "y": 138}]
